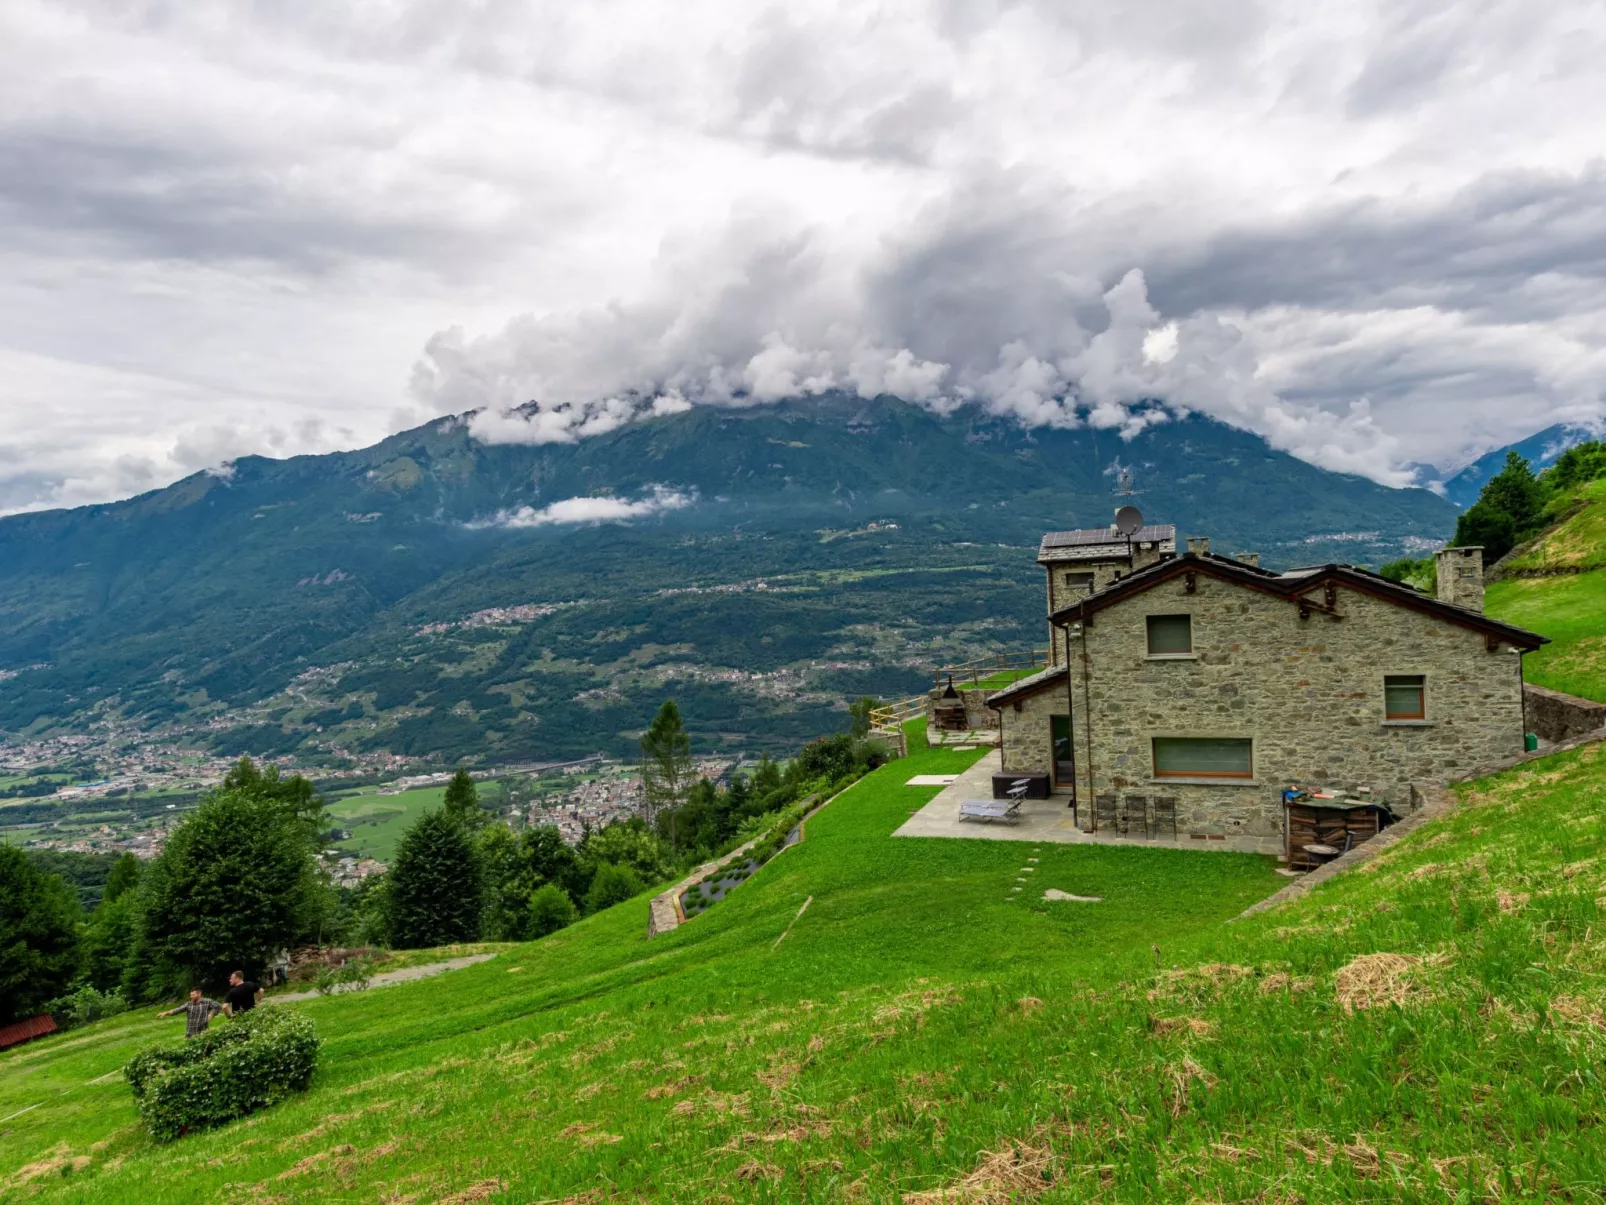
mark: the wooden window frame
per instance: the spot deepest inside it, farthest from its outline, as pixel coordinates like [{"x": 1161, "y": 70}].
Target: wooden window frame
[
  {"x": 1421, "y": 683},
  {"x": 1224, "y": 775},
  {"x": 1148, "y": 635}
]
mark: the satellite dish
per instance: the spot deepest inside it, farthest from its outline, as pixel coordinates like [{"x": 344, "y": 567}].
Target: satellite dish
[{"x": 1128, "y": 520}]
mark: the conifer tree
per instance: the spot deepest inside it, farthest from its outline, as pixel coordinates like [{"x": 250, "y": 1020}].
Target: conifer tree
[
  {"x": 666, "y": 767},
  {"x": 436, "y": 886},
  {"x": 463, "y": 800}
]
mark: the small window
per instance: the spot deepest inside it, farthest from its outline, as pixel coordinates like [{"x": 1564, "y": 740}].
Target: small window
[
  {"x": 1078, "y": 581},
  {"x": 1404, "y": 697},
  {"x": 1203, "y": 757},
  {"x": 1170, "y": 634}
]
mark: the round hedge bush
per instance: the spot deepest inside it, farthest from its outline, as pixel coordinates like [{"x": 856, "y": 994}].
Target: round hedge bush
[{"x": 232, "y": 1069}]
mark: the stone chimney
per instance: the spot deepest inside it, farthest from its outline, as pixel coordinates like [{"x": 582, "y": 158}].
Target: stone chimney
[
  {"x": 1198, "y": 545},
  {"x": 1250, "y": 558},
  {"x": 1460, "y": 572}
]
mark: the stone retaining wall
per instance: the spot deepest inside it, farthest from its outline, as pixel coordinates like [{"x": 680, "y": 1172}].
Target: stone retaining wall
[{"x": 1558, "y": 717}]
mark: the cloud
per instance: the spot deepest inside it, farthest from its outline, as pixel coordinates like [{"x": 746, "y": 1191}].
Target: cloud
[
  {"x": 1372, "y": 233},
  {"x": 573, "y": 511}
]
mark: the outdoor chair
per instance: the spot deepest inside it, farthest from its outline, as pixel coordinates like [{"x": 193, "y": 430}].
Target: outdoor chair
[
  {"x": 990, "y": 809},
  {"x": 1104, "y": 812},
  {"x": 1165, "y": 813},
  {"x": 1135, "y": 815},
  {"x": 1018, "y": 789}
]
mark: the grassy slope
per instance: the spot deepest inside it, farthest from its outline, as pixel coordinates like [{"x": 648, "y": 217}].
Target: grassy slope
[
  {"x": 884, "y": 1044},
  {"x": 1570, "y": 607}
]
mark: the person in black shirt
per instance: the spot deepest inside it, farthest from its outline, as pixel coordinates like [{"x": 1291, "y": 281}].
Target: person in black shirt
[{"x": 242, "y": 995}]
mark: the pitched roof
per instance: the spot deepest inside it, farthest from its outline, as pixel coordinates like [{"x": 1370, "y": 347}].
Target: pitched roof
[
  {"x": 1085, "y": 540},
  {"x": 1041, "y": 680},
  {"x": 1292, "y": 585}
]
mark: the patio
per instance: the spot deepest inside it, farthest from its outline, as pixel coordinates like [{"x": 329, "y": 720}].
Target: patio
[{"x": 1047, "y": 820}]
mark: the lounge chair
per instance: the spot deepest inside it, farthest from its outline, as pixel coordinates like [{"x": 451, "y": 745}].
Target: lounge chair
[{"x": 990, "y": 809}]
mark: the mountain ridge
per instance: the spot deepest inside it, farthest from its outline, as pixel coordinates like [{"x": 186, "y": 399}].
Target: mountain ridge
[{"x": 212, "y": 595}]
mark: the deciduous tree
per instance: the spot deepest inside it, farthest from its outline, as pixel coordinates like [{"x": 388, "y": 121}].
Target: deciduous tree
[{"x": 39, "y": 916}]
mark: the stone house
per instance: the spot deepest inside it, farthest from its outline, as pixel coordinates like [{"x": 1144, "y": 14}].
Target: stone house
[{"x": 1216, "y": 683}]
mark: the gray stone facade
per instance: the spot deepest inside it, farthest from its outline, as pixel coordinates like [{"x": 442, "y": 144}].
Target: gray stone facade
[
  {"x": 1300, "y": 678},
  {"x": 1558, "y": 717}
]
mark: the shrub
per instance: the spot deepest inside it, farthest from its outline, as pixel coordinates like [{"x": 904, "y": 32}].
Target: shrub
[
  {"x": 83, "y": 1006},
  {"x": 612, "y": 885},
  {"x": 230, "y": 1070},
  {"x": 551, "y": 909}
]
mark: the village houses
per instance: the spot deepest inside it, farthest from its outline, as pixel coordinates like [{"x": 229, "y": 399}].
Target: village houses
[{"x": 1197, "y": 687}]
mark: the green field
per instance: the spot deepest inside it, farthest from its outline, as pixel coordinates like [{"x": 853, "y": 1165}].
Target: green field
[
  {"x": 1569, "y": 605},
  {"x": 1428, "y": 1029},
  {"x": 376, "y": 822}
]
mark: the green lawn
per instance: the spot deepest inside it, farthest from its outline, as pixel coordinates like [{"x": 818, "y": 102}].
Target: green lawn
[
  {"x": 376, "y": 822},
  {"x": 916, "y": 1017},
  {"x": 1571, "y": 610}
]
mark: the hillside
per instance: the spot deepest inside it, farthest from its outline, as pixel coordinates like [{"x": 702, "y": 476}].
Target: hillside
[
  {"x": 1539, "y": 449},
  {"x": 1428, "y": 1028},
  {"x": 798, "y": 554},
  {"x": 1556, "y": 584}
]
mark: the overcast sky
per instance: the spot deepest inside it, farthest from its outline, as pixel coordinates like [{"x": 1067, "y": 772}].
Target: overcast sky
[{"x": 1375, "y": 233}]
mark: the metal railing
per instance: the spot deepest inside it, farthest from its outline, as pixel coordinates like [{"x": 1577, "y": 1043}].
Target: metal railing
[{"x": 970, "y": 673}]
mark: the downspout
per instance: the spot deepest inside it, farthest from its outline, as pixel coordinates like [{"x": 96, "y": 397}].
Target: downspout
[
  {"x": 1087, "y": 698},
  {"x": 1070, "y": 723}
]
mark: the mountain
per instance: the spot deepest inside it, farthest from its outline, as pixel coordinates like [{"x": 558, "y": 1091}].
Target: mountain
[
  {"x": 1540, "y": 450},
  {"x": 777, "y": 560}
]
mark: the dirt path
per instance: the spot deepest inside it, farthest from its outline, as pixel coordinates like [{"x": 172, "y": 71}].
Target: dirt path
[{"x": 386, "y": 978}]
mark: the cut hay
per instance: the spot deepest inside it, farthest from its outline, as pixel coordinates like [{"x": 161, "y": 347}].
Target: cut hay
[
  {"x": 1199, "y": 980},
  {"x": 1512, "y": 901},
  {"x": 1182, "y": 1077},
  {"x": 1577, "y": 1011},
  {"x": 1029, "y": 1005},
  {"x": 1197, "y": 1026},
  {"x": 474, "y": 1192},
  {"x": 1016, "y": 1173},
  {"x": 1375, "y": 979},
  {"x": 1279, "y": 981}
]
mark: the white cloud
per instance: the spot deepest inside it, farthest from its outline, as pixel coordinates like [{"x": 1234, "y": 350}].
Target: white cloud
[
  {"x": 572, "y": 511},
  {"x": 1371, "y": 232}
]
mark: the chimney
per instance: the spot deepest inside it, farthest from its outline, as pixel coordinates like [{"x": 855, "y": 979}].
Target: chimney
[
  {"x": 1250, "y": 558},
  {"x": 1460, "y": 573},
  {"x": 1198, "y": 545}
]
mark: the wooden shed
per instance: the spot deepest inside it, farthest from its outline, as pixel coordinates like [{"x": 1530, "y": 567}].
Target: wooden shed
[{"x": 1318, "y": 829}]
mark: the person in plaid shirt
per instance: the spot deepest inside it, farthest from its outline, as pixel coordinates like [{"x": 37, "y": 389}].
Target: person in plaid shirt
[{"x": 198, "y": 1012}]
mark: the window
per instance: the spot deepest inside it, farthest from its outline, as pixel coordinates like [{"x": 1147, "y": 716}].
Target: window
[
  {"x": 1203, "y": 757},
  {"x": 1404, "y": 697},
  {"x": 1059, "y": 730},
  {"x": 1170, "y": 635},
  {"x": 1078, "y": 581}
]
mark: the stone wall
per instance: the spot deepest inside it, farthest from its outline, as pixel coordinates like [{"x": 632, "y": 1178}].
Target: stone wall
[
  {"x": 1308, "y": 692},
  {"x": 978, "y": 716},
  {"x": 1557, "y": 717},
  {"x": 1027, "y": 743}
]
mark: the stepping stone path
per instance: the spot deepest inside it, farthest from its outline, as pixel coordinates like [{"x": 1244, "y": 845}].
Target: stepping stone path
[{"x": 1054, "y": 893}]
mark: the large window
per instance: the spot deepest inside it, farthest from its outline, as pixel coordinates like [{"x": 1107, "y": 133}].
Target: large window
[
  {"x": 1059, "y": 730},
  {"x": 1170, "y": 635},
  {"x": 1203, "y": 757},
  {"x": 1404, "y": 697}
]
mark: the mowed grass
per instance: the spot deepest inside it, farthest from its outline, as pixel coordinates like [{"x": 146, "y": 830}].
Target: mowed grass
[
  {"x": 1571, "y": 610},
  {"x": 377, "y": 822},
  {"x": 1428, "y": 1029}
]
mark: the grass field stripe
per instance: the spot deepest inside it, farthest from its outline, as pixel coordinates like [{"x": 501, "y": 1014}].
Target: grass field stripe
[
  {"x": 18, "y": 1113},
  {"x": 795, "y": 919}
]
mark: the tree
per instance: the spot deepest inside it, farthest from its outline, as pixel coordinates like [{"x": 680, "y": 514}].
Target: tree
[
  {"x": 1484, "y": 525},
  {"x": 436, "y": 886},
  {"x": 1515, "y": 491},
  {"x": 235, "y": 885},
  {"x": 295, "y": 793},
  {"x": 507, "y": 899},
  {"x": 39, "y": 916},
  {"x": 1578, "y": 464},
  {"x": 550, "y": 909},
  {"x": 666, "y": 768},
  {"x": 860, "y": 710},
  {"x": 463, "y": 800},
  {"x": 766, "y": 778},
  {"x": 612, "y": 885},
  {"x": 109, "y": 941},
  {"x": 627, "y": 843},
  {"x": 124, "y": 877}
]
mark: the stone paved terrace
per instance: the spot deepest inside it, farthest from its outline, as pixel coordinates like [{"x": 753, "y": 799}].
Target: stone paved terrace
[{"x": 1045, "y": 820}]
